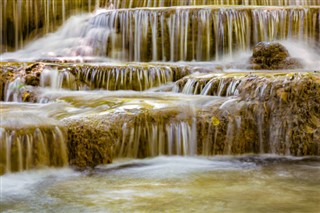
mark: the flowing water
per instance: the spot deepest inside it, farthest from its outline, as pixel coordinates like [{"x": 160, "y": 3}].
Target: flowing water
[
  {"x": 225, "y": 184},
  {"x": 151, "y": 106},
  {"x": 201, "y": 33}
]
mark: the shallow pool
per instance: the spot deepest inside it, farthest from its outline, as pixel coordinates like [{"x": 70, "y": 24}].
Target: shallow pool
[{"x": 170, "y": 184}]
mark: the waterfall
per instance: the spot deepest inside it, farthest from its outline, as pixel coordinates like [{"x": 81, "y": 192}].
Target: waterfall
[
  {"x": 263, "y": 114},
  {"x": 208, "y": 84},
  {"x": 176, "y": 34},
  {"x": 30, "y": 139},
  {"x": 128, "y": 77},
  {"x": 92, "y": 98},
  {"x": 23, "y": 20},
  {"x": 23, "y": 151},
  {"x": 148, "y": 139},
  {"x": 203, "y": 34},
  {"x": 13, "y": 92},
  {"x": 18, "y": 86}
]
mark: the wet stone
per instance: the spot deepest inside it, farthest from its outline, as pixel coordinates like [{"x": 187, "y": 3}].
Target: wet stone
[{"x": 272, "y": 56}]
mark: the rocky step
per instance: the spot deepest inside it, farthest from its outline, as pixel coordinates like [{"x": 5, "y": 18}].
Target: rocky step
[
  {"x": 17, "y": 80},
  {"x": 246, "y": 84},
  {"x": 276, "y": 113},
  {"x": 273, "y": 113}
]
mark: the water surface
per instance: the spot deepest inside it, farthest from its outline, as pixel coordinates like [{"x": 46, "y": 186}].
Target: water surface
[{"x": 174, "y": 184}]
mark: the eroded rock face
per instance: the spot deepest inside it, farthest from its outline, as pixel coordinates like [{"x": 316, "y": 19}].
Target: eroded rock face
[{"x": 272, "y": 56}]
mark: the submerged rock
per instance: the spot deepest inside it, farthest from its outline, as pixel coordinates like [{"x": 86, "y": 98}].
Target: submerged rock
[{"x": 272, "y": 56}]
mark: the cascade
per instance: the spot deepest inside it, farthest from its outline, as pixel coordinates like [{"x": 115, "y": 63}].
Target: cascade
[
  {"x": 263, "y": 115},
  {"x": 23, "y": 20},
  {"x": 130, "y": 77},
  {"x": 30, "y": 143},
  {"x": 28, "y": 150},
  {"x": 80, "y": 95},
  {"x": 159, "y": 105},
  {"x": 26, "y": 19},
  {"x": 204, "y": 33},
  {"x": 131, "y": 124},
  {"x": 17, "y": 87},
  {"x": 148, "y": 139},
  {"x": 176, "y": 34}
]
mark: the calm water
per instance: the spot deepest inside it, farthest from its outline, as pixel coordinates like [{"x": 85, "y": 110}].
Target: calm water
[{"x": 171, "y": 184}]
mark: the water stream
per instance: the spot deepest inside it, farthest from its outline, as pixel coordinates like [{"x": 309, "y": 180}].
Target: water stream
[
  {"x": 228, "y": 184},
  {"x": 154, "y": 106}
]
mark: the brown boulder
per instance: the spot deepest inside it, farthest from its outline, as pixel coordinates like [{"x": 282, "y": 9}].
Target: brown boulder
[{"x": 272, "y": 56}]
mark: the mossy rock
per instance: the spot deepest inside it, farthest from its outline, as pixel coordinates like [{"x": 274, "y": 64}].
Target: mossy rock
[
  {"x": 88, "y": 144},
  {"x": 272, "y": 56}
]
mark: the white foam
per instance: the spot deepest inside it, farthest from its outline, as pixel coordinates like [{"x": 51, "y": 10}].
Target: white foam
[
  {"x": 173, "y": 166},
  {"x": 81, "y": 35},
  {"x": 23, "y": 184}
]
